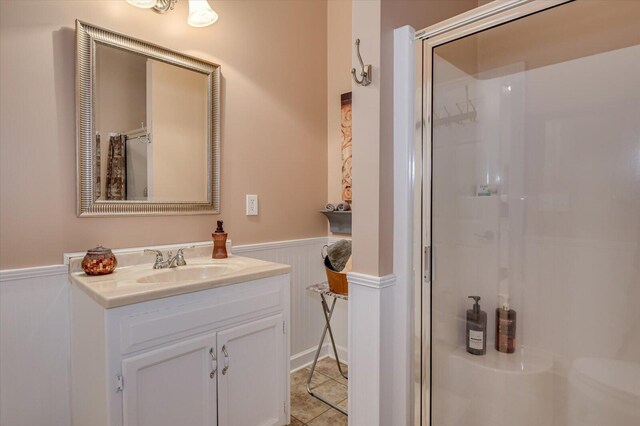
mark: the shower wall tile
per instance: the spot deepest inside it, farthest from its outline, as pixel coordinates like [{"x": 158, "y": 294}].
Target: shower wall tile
[{"x": 562, "y": 234}]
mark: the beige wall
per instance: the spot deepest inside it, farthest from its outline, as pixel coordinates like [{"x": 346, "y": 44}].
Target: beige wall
[
  {"x": 274, "y": 123},
  {"x": 178, "y": 110},
  {"x": 373, "y": 22},
  {"x": 583, "y": 28},
  {"x": 366, "y": 141},
  {"x": 338, "y": 82}
]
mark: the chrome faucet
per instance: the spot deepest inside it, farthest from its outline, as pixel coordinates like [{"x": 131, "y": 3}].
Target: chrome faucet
[{"x": 172, "y": 261}]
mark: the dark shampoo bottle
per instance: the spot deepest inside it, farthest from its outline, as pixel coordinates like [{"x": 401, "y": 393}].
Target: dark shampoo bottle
[
  {"x": 476, "y": 329},
  {"x": 505, "y": 327}
]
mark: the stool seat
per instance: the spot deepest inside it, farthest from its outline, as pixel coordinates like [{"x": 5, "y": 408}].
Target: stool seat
[{"x": 323, "y": 288}]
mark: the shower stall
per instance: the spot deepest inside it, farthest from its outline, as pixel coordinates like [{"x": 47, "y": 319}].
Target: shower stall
[{"x": 530, "y": 194}]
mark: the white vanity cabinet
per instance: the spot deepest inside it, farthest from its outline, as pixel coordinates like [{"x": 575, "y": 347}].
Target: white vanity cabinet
[
  {"x": 172, "y": 385},
  {"x": 213, "y": 357},
  {"x": 251, "y": 388}
]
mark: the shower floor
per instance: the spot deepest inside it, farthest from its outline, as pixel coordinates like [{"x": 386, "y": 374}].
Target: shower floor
[{"x": 327, "y": 381}]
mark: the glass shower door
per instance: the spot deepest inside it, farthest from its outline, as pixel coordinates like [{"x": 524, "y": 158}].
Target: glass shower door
[{"x": 535, "y": 209}]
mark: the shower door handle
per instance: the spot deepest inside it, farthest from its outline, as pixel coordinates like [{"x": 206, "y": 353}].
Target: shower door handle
[{"x": 426, "y": 264}]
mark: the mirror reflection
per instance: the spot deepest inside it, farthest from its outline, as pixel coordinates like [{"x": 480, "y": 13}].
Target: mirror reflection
[{"x": 151, "y": 121}]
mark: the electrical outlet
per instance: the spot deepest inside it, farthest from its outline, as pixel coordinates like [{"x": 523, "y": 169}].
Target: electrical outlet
[{"x": 252, "y": 205}]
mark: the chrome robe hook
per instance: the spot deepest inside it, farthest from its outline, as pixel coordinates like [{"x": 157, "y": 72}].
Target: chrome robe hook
[{"x": 365, "y": 74}]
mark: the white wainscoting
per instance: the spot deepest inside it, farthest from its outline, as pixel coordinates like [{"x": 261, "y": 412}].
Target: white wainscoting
[
  {"x": 35, "y": 341},
  {"x": 34, "y": 347},
  {"x": 369, "y": 315},
  {"x": 307, "y": 320}
]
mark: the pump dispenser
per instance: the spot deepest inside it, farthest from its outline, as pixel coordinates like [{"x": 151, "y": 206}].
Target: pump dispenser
[
  {"x": 476, "y": 329},
  {"x": 219, "y": 243},
  {"x": 505, "y": 326}
]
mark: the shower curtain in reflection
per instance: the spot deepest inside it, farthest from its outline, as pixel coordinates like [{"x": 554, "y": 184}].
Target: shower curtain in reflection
[
  {"x": 98, "y": 154},
  {"x": 116, "y": 169}
]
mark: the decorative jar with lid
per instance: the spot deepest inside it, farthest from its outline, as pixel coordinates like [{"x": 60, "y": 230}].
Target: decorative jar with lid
[{"x": 99, "y": 261}]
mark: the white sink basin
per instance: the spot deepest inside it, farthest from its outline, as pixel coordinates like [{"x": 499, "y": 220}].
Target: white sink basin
[{"x": 189, "y": 273}]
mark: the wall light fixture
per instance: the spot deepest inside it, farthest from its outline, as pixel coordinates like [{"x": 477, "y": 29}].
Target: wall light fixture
[{"x": 200, "y": 13}]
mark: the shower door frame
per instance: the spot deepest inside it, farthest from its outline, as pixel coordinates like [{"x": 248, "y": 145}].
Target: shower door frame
[{"x": 493, "y": 14}]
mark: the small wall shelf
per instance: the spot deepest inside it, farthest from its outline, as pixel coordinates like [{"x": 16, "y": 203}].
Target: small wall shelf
[{"x": 340, "y": 222}]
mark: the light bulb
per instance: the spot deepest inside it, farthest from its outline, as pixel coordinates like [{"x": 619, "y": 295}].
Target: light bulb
[
  {"x": 201, "y": 14},
  {"x": 143, "y": 4}
]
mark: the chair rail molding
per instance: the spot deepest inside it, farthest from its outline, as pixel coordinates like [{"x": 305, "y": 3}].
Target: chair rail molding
[
  {"x": 33, "y": 272},
  {"x": 364, "y": 280}
]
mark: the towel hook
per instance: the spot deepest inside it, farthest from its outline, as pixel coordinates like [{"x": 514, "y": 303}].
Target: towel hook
[{"x": 365, "y": 74}]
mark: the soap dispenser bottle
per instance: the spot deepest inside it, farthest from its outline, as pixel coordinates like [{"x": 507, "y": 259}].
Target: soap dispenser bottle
[
  {"x": 505, "y": 326},
  {"x": 219, "y": 243},
  {"x": 476, "y": 329}
]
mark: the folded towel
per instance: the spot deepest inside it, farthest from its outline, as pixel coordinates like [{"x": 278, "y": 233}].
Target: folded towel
[
  {"x": 343, "y": 207},
  {"x": 339, "y": 254},
  {"x": 330, "y": 207},
  {"x": 349, "y": 266}
]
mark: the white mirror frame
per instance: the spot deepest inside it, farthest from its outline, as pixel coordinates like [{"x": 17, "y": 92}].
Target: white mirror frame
[{"x": 87, "y": 36}]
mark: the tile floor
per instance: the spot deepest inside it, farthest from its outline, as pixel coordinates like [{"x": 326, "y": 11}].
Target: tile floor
[{"x": 307, "y": 410}]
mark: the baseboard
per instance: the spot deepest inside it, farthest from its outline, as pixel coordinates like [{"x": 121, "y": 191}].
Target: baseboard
[
  {"x": 302, "y": 359},
  {"x": 305, "y": 358}
]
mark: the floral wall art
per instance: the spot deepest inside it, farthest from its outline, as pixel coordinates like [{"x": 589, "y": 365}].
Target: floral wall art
[{"x": 345, "y": 145}]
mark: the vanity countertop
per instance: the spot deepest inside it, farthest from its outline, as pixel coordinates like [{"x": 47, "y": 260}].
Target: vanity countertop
[{"x": 141, "y": 283}]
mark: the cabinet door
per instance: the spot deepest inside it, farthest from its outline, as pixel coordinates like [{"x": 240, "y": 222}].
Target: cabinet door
[
  {"x": 171, "y": 386},
  {"x": 252, "y": 376}
]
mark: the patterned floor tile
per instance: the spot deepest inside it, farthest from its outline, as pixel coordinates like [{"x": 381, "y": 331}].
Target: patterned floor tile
[
  {"x": 344, "y": 405},
  {"x": 295, "y": 422},
  {"x": 330, "y": 418},
  {"x": 332, "y": 391},
  {"x": 299, "y": 378},
  {"x": 327, "y": 382},
  {"x": 328, "y": 367},
  {"x": 304, "y": 407}
]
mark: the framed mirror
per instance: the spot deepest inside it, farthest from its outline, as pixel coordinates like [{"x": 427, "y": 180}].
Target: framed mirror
[{"x": 148, "y": 126}]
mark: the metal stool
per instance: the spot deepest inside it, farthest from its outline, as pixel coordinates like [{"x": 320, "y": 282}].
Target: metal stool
[{"x": 324, "y": 291}]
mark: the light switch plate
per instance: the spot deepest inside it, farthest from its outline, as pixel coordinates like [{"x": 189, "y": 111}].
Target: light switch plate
[{"x": 252, "y": 205}]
